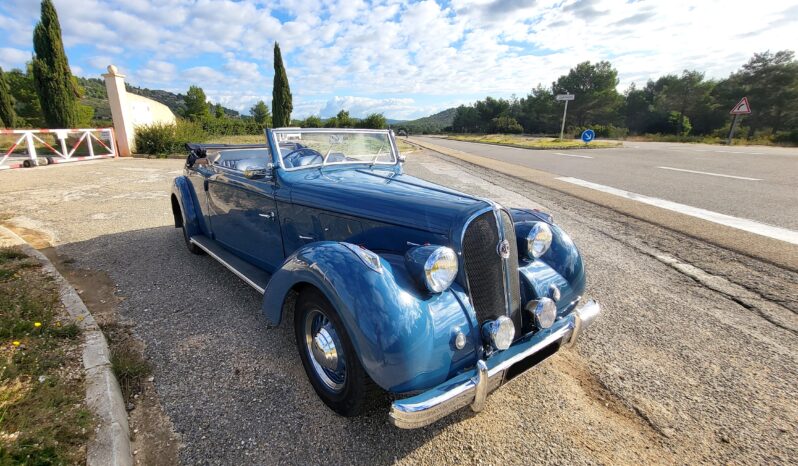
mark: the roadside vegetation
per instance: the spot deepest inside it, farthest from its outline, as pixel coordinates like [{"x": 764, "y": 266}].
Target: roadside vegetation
[
  {"x": 532, "y": 142},
  {"x": 43, "y": 419},
  {"x": 678, "y": 108}
]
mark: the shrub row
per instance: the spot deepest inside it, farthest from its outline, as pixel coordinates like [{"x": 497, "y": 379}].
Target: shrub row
[{"x": 168, "y": 138}]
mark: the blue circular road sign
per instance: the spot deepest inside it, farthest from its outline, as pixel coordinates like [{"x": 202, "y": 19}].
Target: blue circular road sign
[{"x": 588, "y": 135}]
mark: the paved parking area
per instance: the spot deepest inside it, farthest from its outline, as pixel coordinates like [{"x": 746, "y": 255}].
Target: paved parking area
[{"x": 694, "y": 359}]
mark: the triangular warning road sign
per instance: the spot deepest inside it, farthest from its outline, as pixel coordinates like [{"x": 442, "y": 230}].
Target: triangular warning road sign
[{"x": 742, "y": 107}]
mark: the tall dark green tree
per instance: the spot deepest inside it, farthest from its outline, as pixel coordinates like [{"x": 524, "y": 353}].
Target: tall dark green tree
[
  {"x": 196, "y": 104},
  {"x": 7, "y": 115},
  {"x": 57, "y": 89},
  {"x": 282, "y": 103}
]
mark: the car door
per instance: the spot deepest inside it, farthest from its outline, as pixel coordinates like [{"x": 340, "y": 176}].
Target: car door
[{"x": 244, "y": 217}]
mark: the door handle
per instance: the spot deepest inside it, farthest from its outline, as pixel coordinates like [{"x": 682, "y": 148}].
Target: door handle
[{"x": 269, "y": 215}]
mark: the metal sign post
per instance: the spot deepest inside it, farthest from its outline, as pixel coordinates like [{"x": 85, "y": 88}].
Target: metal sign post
[
  {"x": 742, "y": 108},
  {"x": 566, "y": 98}
]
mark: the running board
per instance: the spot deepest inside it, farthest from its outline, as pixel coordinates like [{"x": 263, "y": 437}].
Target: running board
[{"x": 253, "y": 276}]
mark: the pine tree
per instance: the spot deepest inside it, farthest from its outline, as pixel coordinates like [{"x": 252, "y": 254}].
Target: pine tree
[
  {"x": 282, "y": 104},
  {"x": 7, "y": 115},
  {"x": 260, "y": 113},
  {"x": 57, "y": 89},
  {"x": 219, "y": 111},
  {"x": 196, "y": 104}
]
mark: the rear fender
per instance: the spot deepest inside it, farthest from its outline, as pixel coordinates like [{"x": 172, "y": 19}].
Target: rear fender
[{"x": 403, "y": 336}]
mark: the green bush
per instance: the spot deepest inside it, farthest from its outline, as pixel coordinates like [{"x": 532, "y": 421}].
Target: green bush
[
  {"x": 168, "y": 138},
  {"x": 786, "y": 137},
  {"x": 506, "y": 125},
  {"x": 602, "y": 131},
  {"x": 230, "y": 126}
]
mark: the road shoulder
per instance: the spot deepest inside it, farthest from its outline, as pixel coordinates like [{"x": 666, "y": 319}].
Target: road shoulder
[{"x": 110, "y": 444}]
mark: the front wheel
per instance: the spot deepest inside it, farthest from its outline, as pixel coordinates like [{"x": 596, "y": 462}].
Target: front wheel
[
  {"x": 328, "y": 356},
  {"x": 193, "y": 248}
]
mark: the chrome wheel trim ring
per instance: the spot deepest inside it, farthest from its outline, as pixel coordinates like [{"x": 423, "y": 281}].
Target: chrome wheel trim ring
[{"x": 320, "y": 333}]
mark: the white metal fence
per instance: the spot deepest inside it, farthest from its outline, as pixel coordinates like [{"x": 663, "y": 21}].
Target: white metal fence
[{"x": 32, "y": 147}]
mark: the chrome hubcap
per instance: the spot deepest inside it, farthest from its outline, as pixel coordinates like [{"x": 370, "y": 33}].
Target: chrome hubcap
[{"x": 324, "y": 350}]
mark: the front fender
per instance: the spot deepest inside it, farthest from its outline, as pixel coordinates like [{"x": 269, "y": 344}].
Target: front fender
[
  {"x": 183, "y": 192},
  {"x": 561, "y": 265},
  {"x": 403, "y": 335}
]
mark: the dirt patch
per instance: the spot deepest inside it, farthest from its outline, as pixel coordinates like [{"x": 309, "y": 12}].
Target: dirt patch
[{"x": 153, "y": 438}]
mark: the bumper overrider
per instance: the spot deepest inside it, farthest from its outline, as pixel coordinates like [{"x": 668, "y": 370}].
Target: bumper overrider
[{"x": 472, "y": 387}]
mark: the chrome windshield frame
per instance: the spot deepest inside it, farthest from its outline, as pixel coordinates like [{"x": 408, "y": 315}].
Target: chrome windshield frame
[{"x": 272, "y": 135}]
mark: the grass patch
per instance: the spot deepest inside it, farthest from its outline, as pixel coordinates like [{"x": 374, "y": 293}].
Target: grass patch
[
  {"x": 532, "y": 143},
  {"x": 43, "y": 419},
  {"x": 127, "y": 361}
]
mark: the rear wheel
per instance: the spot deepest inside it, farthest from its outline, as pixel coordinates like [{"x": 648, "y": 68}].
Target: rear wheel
[{"x": 328, "y": 356}]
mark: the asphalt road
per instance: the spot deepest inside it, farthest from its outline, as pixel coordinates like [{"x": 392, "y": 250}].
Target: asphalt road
[
  {"x": 757, "y": 183},
  {"x": 695, "y": 359}
]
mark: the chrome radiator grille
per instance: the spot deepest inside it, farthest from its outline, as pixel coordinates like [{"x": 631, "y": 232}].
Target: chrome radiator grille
[{"x": 485, "y": 269}]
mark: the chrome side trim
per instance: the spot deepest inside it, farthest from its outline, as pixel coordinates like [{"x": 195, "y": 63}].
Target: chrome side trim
[
  {"x": 229, "y": 267},
  {"x": 473, "y": 387}
]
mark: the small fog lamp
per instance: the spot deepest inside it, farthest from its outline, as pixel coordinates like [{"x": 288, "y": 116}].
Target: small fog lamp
[{"x": 499, "y": 332}]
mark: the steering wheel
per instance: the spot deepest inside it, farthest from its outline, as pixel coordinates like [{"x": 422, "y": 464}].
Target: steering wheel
[{"x": 302, "y": 157}]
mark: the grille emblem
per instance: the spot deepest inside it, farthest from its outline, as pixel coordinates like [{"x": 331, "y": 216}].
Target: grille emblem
[{"x": 503, "y": 249}]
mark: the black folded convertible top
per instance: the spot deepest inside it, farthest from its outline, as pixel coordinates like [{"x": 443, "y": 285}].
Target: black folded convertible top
[{"x": 200, "y": 151}]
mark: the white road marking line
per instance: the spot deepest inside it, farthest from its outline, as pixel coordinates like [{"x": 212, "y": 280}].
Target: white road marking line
[
  {"x": 751, "y": 226},
  {"x": 737, "y": 152},
  {"x": 573, "y": 155},
  {"x": 711, "y": 174}
]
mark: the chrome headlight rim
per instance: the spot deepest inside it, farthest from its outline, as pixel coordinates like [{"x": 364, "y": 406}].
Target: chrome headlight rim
[
  {"x": 440, "y": 269},
  {"x": 538, "y": 240}
]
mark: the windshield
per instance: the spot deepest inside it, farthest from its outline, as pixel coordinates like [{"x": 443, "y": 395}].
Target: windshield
[{"x": 304, "y": 148}]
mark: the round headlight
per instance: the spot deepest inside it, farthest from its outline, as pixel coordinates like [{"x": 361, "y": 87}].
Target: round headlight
[
  {"x": 538, "y": 240},
  {"x": 544, "y": 311},
  {"x": 440, "y": 269},
  {"x": 499, "y": 332}
]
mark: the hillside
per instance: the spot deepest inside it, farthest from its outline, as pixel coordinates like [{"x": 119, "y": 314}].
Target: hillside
[
  {"x": 95, "y": 96},
  {"x": 429, "y": 124}
]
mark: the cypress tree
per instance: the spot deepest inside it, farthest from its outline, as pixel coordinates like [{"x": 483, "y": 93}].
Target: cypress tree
[
  {"x": 57, "y": 89},
  {"x": 282, "y": 104},
  {"x": 7, "y": 115}
]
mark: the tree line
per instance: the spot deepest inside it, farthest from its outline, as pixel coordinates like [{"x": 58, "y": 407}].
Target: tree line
[{"x": 682, "y": 105}]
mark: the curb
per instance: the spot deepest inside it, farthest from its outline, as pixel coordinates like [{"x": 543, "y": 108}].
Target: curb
[
  {"x": 766, "y": 249},
  {"x": 111, "y": 442}
]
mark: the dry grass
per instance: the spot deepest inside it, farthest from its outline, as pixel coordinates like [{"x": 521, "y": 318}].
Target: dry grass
[
  {"x": 533, "y": 143},
  {"x": 43, "y": 419}
]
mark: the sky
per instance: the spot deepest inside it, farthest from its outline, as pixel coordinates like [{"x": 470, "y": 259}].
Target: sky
[{"x": 405, "y": 59}]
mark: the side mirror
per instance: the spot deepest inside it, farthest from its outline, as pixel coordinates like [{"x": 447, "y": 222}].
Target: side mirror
[
  {"x": 260, "y": 173},
  {"x": 402, "y": 158}
]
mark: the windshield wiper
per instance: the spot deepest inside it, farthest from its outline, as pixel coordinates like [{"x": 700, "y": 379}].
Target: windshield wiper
[
  {"x": 327, "y": 155},
  {"x": 377, "y": 156}
]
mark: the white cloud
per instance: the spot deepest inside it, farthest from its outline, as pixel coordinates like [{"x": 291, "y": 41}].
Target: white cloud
[
  {"x": 375, "y": 54},
  {"x": 13, "y": 58}
]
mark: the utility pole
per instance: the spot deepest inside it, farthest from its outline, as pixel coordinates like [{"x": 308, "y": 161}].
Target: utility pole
[{"x": 566, "y": 98}]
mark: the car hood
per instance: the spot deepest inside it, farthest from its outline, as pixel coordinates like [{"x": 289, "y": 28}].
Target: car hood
[{"x": 384, "y": 196}]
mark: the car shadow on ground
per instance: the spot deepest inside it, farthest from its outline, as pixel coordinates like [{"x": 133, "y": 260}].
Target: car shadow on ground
[{"x": 234, "y": 389}]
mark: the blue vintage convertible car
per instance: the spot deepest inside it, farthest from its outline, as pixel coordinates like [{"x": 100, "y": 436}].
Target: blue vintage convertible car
[{"x": 395, "y": 284}]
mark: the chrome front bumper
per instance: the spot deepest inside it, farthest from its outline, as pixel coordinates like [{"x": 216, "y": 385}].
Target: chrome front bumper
[{"x": 472, "y": 388}]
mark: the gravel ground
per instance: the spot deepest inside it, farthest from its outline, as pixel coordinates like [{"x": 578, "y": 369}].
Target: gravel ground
[{"x": 693, "y": 361}]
